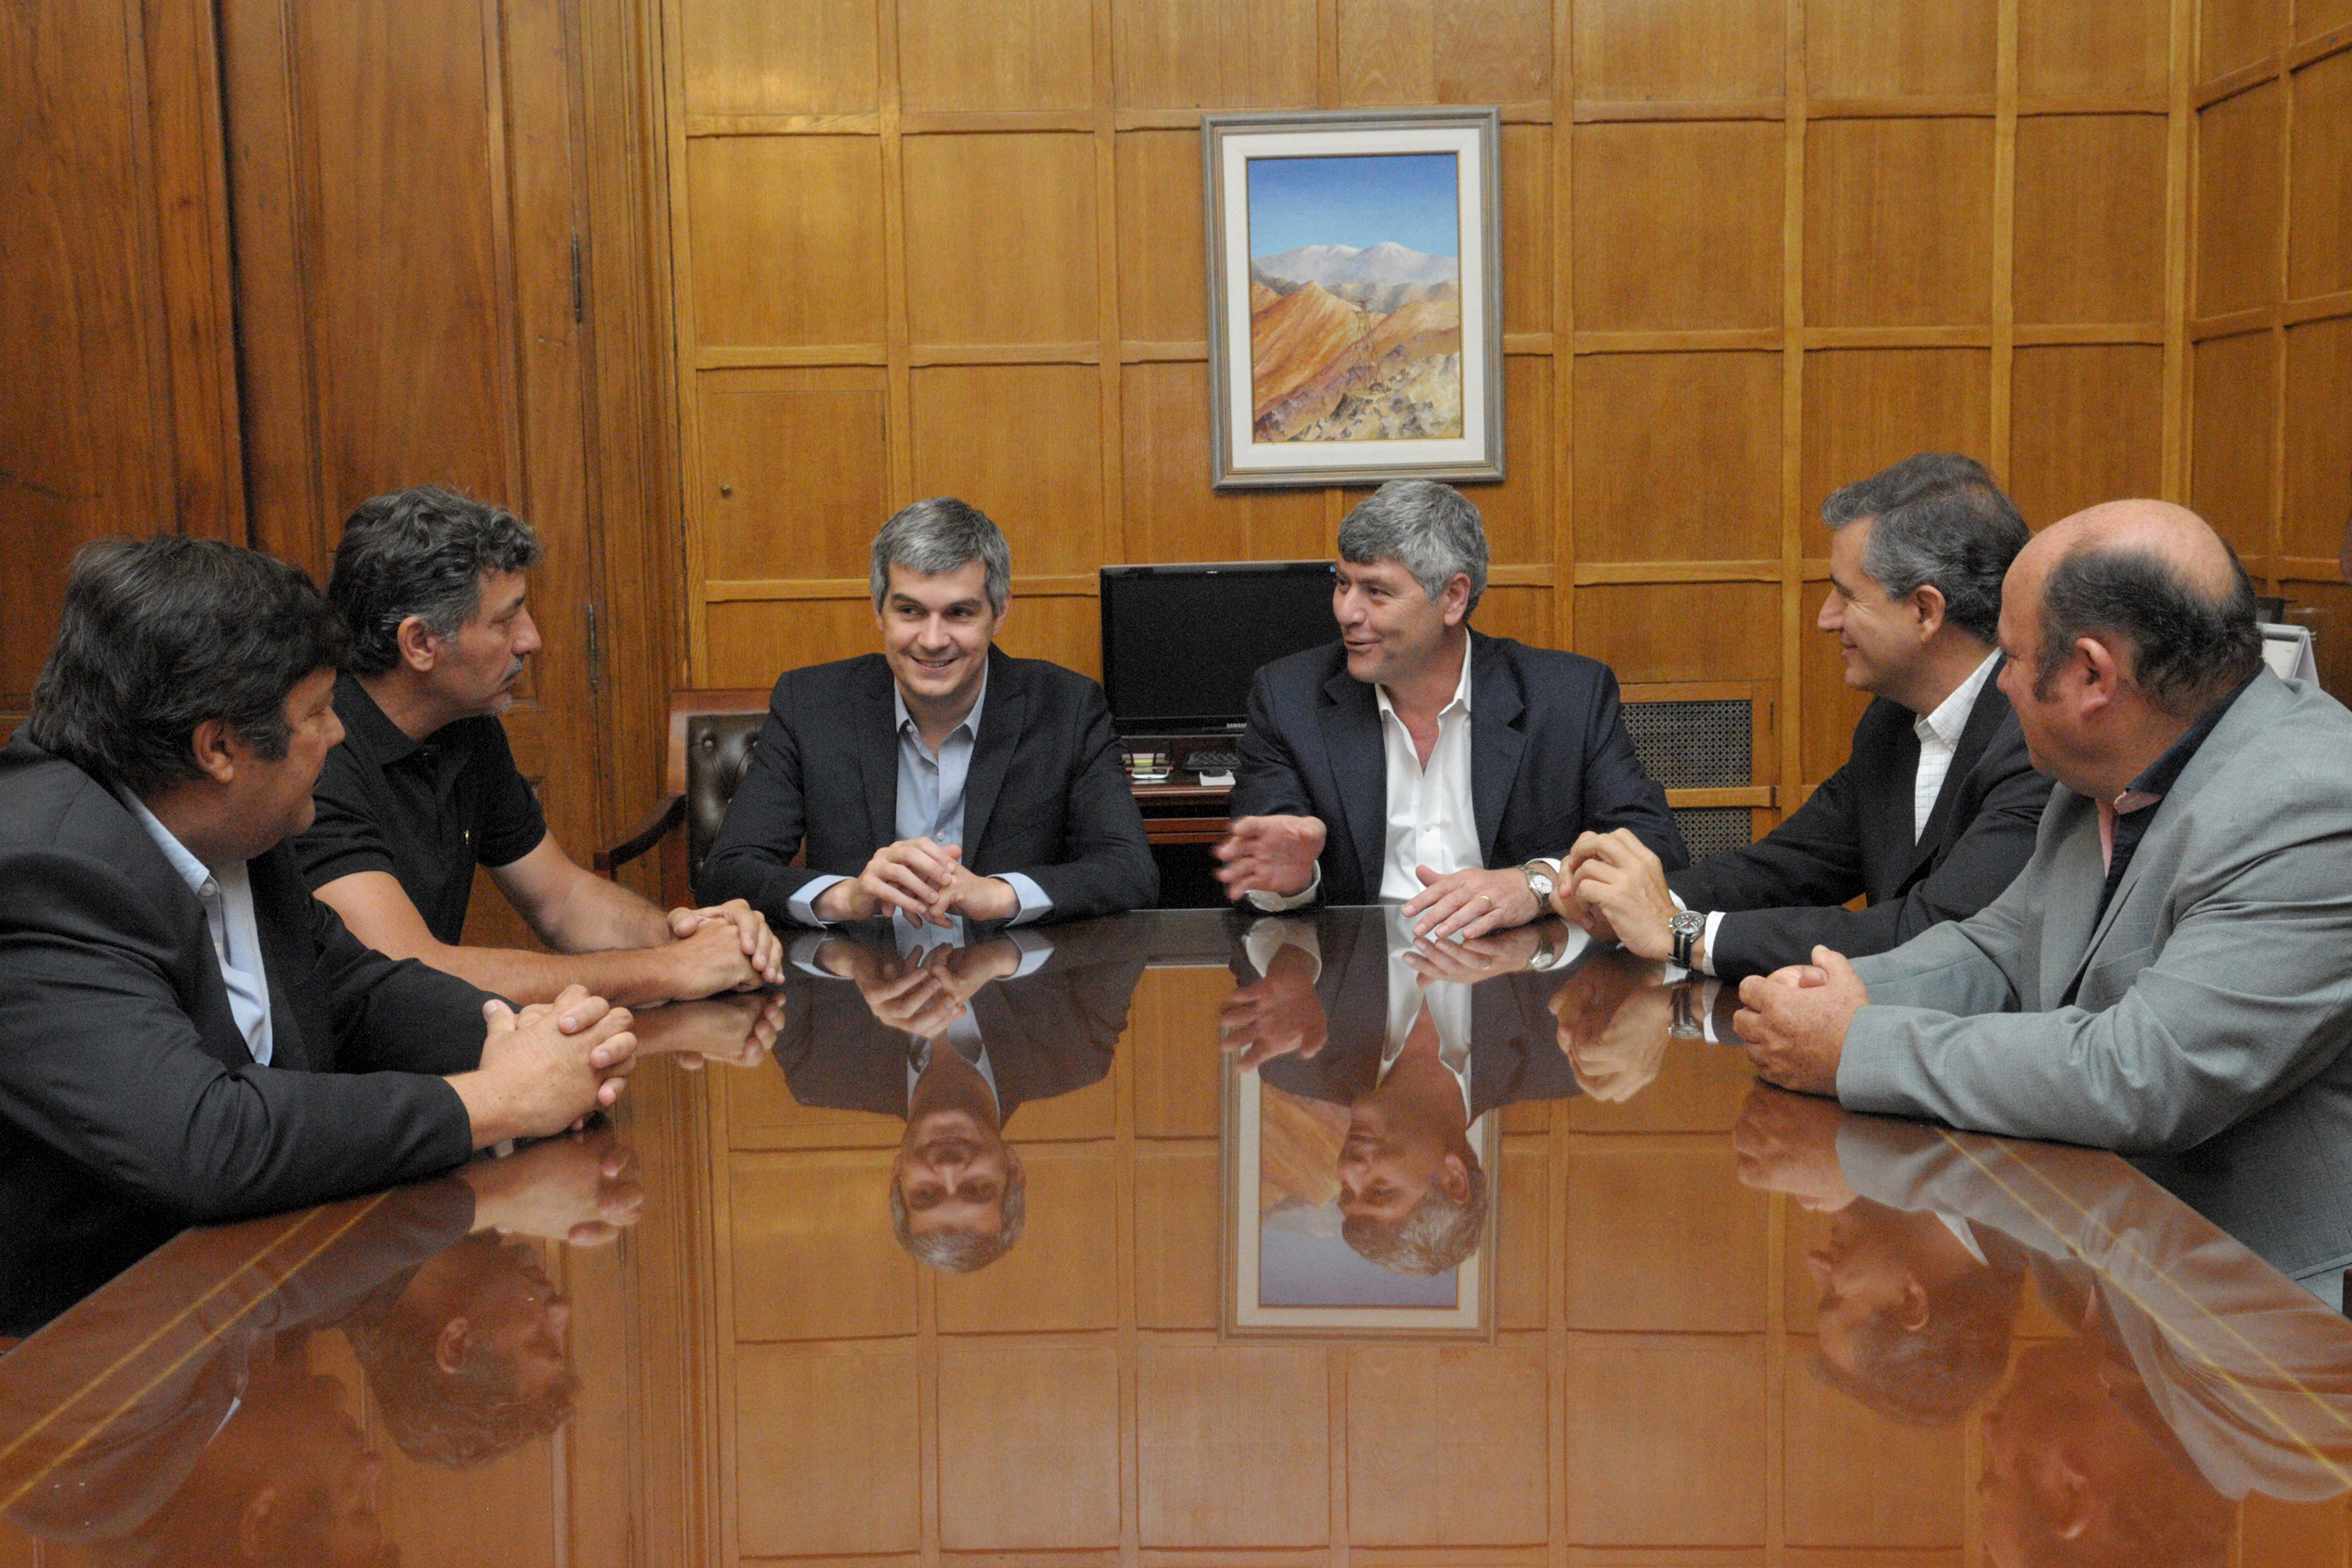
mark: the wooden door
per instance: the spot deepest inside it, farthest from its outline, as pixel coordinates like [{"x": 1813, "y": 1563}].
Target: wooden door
[{"x": 405, "y": 179}]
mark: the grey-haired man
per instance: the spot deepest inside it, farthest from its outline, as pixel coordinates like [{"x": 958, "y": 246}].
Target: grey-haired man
[{"x": 939, "y": 779}]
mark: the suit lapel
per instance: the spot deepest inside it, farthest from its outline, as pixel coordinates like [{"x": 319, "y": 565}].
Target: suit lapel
[
  {"x": 1005, "y": 711},
  {"x": 1496, "y": 739},
  {"x": 1887, "y": 819},
  {"x": 1359, "y": 757},
  {"x": 877, "y": 754},
  {"x": 282, "y": 920},
  {"x": 1984, "y": 720}
]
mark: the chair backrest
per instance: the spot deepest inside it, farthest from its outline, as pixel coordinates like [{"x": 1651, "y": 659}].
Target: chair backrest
[{"x": 710, "y": 737}]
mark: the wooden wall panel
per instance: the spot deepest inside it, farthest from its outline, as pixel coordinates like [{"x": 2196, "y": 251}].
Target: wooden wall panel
[
  {"x": 1682, "y": 631},
  {"x": 794, "y": 471},
  {"x": 1418, "y": 1412},
  {"x": 751, "y": 57},
  {"x": 2093, "y": 47},
  {"x": 824, "y": 1217},
  {"x": 964, "y": 55},
  {"x": 1527, "y": 175},
  {"x": 1445, "y": 51},
  {"x": 1679, "y": 456},
  {"x": 1215, "y": 54},
  {"x": 1898, "y": 222},
  {"x": 1630, "y": 1444},
  {"x": 1697, "y": 51},
  {"x": 1857, "y": 1479},
  {"x": 1685, "y": 1240},
  {"x": 2318, "y": 499},
  {"x": 1171, "y": 513},
  {"x": 1864, "y": 49},
  {"x": 2082, "y": 180},
  {"x": 1518, "y": 513},
  {"x": 787, "y": 254},
  {"x": 827, "y": 1447},
  {"x": 753, "y": 641},
  {"x": 2319, "y": 203},
  {"x": 2237, "y": 400},
  {"x": 977, "y": 430},
  {"x": 2088, "y": 428},
  {"x": 1161, "y": 295},
  {"x": 2235, "y": 34},
  {"x": 1678, "y": 226},
  {"x": 1177, "y": 1236},
  {"x": 1033, "y": 1433},
  {"x": 972, "y": 277},
  {"x": 1238, "y": 1443},
  {"x": 1870, "y": 407},
  {"x": 2238, "y": 199}
]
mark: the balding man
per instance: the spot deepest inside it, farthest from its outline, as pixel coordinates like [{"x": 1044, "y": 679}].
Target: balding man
[{"x": 2174, "y": 962}]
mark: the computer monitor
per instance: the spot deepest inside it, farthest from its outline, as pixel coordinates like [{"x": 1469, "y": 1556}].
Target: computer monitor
[{"x": 1181, "y": 643}]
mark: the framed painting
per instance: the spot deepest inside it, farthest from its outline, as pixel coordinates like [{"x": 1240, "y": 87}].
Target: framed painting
[
  {"x": 1292, "y": 1266},
  {"x": 1355, "y": 296}
]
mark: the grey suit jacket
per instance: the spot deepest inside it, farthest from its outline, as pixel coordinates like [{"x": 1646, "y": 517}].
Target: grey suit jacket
[{"x": 2213, "y": 998}]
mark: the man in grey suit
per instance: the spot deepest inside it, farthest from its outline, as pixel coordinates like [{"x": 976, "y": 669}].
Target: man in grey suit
[{"x": 2172, "y": 970}]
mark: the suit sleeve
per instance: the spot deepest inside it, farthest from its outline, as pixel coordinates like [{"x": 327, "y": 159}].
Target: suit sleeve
[
  {"x": 88, "y": 1011},
  {"x": 1617, "y": 793},
  {"x": 751, "y": 859},
  {"x": 1982, "y": 862},
  {"x": 393, "y": 1015},
  {"x": 2245, "y": 1002},
  {"x": 1268, "y": 781},
  {"x": 1108, "y": 866}
]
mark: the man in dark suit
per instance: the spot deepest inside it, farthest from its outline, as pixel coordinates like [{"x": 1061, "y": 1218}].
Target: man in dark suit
[
  {"x": 1417, "y": 761},
  {"x": 939, "y": 778},
  {"x": 185, "y": 1034},
  {"x": 1933, "y": 813}
]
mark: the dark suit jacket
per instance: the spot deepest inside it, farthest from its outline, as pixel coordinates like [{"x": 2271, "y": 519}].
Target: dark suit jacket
[
  {"x": 1515, "y": 1051},
  {"x": 1549, "y": 758},
  {"x": 1854, "y": 837},
  {"x": 1047, "y": 795},
  {"x": 129, "y": 1104},
  {"x": 1047, "y": 1034}
]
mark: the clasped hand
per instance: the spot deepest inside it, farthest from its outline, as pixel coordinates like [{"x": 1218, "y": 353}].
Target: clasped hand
[
  {"x": 1614, "y": 885},
  {"x": 926, "y": 882},
  {"x": 761, "y": 961},
  {"x": 1794, "y": 1021}
]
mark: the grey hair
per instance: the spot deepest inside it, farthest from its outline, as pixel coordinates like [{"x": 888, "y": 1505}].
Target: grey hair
[
  {"x": 942, "y": 534},
  {"x": 1941, "y": 522},
  {"x": 1430, "y": 529},
  {"x": 2187, "y": 649},
  {"x": 1435, "y": 1236},
  {"x": 420, "y": 551},
  {"x": 961, "y": 1251}
]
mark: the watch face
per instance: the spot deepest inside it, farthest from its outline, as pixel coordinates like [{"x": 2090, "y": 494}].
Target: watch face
[
  {"x": 1687, "y": 922},
  {"x": 1541, "y": 883}
]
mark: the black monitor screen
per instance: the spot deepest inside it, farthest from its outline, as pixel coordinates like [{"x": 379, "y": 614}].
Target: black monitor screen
[{"x": 1181, "y": 643}]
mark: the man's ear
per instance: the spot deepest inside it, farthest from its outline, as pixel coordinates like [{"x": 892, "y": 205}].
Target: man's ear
[
  {"x": 449, "y": 1347},
  {"x": 419, "y": 648},
  {"x": 1928, "y": 608},
  {"x": 1454, "y": 603},
  {"x": 1911, "y": 1308},
  {"x": 253, "y": 1523},
  {"x": 1454, "y": 1178},
  {"x": 214, "y": 748},
  {"x": 2102, "y": 673}
]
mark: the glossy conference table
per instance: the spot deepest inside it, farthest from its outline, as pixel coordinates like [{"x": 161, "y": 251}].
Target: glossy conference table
[{"x": 1702, "y": 1321}]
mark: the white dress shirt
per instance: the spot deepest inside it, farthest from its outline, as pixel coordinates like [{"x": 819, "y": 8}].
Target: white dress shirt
[
  {"x": 1939, "y": 740},
  {"x": 228, "y": 899},
  {"x": 931, "y": 805},
  {"x": 1431, "y": 819},
  {"x": 1447, "y": 1001}
]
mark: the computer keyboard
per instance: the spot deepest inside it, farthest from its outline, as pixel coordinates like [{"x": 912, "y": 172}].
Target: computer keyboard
[{"x": 1213, "y": 762}]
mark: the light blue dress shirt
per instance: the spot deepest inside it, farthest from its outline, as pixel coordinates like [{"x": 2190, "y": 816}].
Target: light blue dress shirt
[
  {"x": 931, "y": 805},
  {"x": 228, "y": 899}
]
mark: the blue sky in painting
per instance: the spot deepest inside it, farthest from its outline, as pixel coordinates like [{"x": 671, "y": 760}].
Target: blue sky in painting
[{"x": 1408, "y": 197}]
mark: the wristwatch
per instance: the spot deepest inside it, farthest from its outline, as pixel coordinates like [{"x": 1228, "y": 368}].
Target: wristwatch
[
  {"x": 1687, "y": 1024},
  {"x": 1686, "y": 927},
  {"x": 1540, "y": 881}
]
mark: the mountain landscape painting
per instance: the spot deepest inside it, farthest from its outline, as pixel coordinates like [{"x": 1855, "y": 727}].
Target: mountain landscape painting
[{"x": 1355, "y": 298}]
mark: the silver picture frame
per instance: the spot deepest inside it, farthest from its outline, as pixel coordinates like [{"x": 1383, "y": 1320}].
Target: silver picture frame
[{"x": 1333, "y": 408}]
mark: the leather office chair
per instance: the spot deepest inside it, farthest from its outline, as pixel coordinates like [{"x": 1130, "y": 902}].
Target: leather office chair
[{"x": 710, "y": 737}]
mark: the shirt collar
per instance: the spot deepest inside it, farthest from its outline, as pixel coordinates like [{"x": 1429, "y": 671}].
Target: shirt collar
[
  {"x": 2156, "y": 780},
  {"x": 381, "y": 739},
  {"x": 1950, "y": 718},
  {"x": 971, "y": 721},
  {"x": 1461, "y": 692},
  {"x": 193, "y": 871}
]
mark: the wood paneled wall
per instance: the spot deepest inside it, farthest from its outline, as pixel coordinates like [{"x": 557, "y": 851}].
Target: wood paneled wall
[
  {"x": 1754, "y": 249},
  {"x": 2272, "y": 318}
]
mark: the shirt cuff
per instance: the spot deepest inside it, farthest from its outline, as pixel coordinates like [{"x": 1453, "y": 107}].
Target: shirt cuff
[
  {"x": 1035, "y": 949},
  {"x": 801, "y": 906},
  {"x": 1264, "y": 939},
  {"x": 1579, "y": 939},
  {"x": 1274, "y": 903},
  {"x": 802, "y": 955},
  {"x": 1707, "y": 954},
  {"x": 1035, "y": 903}
]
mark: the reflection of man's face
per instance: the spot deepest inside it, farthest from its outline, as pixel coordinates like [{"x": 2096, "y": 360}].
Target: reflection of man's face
[
  {"x": 2070, "y": 1475},
  {"x": 351, "y": 1470},
  {"x": 1861, "y": 1274},
  {"x": 289, "y": 1478},
  {"x": 1396, "y": 1149},
  {"x": 516, "y": 1317},
  {"x": 951, "y": 1174}
]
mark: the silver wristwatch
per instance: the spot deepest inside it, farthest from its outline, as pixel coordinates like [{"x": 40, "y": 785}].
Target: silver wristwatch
[
  {"x": 1540, "y": 881},
  {"x": 1686, "y": 927}
]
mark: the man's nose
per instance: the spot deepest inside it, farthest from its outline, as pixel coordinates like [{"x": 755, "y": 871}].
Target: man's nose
[
  {"x": 1831, "y": 616},
  {"x": 526, "y": 635},
  {"x": 1817, "y": 1264}
]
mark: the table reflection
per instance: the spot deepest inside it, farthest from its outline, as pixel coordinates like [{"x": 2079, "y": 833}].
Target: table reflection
[{"x": 941, "y": 1248}]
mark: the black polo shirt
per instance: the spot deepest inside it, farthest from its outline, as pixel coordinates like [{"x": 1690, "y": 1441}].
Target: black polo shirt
[{"x": 427, "y": 811}]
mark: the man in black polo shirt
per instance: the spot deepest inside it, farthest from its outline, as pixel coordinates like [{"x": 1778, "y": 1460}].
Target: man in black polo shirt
[{"x": 424, "y": 787}]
